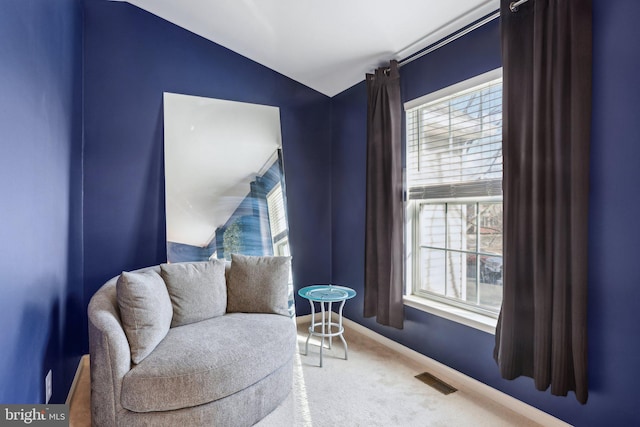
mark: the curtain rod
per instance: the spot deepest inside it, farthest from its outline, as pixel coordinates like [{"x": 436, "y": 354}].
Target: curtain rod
[
  {"x": 513, "y": 6},
  {"x": 452, "y": 37}
]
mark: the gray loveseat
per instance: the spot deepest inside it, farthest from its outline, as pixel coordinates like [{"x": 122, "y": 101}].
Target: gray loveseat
[{"x": 231, "y": 368}]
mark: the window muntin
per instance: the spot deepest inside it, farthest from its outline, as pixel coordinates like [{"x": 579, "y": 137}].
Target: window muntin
[{"x": 454, "y": 195}]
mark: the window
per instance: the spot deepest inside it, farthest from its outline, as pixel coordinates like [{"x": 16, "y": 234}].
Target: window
[
  {"x": 280, "y": 233},
  {"x": 454, "y": 195},
  {"x": 278, "y": 221}
]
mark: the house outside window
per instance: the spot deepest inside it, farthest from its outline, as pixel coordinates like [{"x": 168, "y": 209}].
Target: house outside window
[{"x": 454, "y": 195}]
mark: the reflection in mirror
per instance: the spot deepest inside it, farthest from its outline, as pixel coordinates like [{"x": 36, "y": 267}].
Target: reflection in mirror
[{"x": 224, "y": 180}]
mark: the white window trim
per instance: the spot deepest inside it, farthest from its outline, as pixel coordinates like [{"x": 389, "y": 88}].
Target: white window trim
[
  {"x": 456, "y": 314},
  {"x": 460, "y": 315},
  {"x": 458, "y": 87}
]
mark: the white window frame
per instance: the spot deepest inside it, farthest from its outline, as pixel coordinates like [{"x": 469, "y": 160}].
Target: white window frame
[{"x": 474, "y": 317}]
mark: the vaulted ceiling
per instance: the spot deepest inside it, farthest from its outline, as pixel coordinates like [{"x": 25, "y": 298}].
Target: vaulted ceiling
[{"x": 327, "y": 45}]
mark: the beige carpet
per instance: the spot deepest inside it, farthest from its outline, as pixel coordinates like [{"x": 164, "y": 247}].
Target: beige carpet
[{"x": 375, "y": 387}]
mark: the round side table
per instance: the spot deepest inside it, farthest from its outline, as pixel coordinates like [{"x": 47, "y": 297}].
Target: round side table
[{"x": 326, "y": 294}]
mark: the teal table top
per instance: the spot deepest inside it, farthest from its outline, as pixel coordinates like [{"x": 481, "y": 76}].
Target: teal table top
[{"x": 329, "y": 293}]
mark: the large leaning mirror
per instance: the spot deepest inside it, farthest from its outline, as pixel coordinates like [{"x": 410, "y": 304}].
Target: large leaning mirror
[{"x": 224, "y": 179}]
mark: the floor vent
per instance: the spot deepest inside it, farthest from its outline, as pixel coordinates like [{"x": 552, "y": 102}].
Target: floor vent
[{"x": 436, "y": 383}]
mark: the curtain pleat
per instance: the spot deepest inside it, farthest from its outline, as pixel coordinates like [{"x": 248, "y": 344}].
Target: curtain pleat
[
  {"x": 384, "y": 214},
  {"x": 542, "y": 328}
]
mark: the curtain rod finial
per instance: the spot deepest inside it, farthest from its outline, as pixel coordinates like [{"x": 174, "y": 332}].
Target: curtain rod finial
[{"x": 513, "y": 6}]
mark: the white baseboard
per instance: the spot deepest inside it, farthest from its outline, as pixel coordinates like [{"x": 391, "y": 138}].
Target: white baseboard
[
  {"x": 455, "y": 378},
  {"x": 76, "y": 378}
]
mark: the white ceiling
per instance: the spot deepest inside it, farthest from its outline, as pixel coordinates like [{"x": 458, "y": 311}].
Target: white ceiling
[{"x": 327, "y": 45}]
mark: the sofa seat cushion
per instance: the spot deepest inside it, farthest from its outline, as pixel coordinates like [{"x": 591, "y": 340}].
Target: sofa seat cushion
[{"x": 208, "y": 360}]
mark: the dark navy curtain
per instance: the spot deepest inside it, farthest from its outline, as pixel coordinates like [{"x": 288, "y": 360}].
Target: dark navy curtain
[
  {"x": 384, "y": 212},
  {"x": 542, "y": 329}
]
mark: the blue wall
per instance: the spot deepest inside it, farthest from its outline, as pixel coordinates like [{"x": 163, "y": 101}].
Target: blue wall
[
  {"x": 131, "y": 58},
  {"x": 41, "y": 186},
  {"x": 180, "y": 252},
  {"x": 614, "y": 286}
]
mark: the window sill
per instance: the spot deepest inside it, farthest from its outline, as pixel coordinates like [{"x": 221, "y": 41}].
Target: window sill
[{"x": 455, "y": 314}]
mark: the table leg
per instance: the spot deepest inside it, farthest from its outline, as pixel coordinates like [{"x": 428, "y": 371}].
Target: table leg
[
  {"x": 324, "y": 325},
  {"x": 329, "y": 313},
  {"x": 346, "y": 348},
  {"x": 311, "y": 328}
]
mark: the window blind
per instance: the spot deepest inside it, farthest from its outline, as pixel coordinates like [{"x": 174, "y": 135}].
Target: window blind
[
  {"x": 277, "y": 214},
  {"x": 454, "y": 144}
]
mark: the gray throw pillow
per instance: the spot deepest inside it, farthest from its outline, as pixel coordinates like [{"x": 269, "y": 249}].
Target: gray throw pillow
[
  {"x": 198, "y": 290},
  {"x": 145, "y": 311},
  {"x": 258, "y": 284}
]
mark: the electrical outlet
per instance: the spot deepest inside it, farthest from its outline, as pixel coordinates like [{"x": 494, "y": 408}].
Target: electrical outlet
[{"x": 48, "y": 386}]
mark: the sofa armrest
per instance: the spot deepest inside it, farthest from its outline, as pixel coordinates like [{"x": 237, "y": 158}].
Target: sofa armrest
[{"x": 110, "y": 355}]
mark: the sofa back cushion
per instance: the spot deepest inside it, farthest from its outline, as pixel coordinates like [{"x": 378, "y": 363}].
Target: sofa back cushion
[
  {"x": 145, "y": 311},
  {"x": 198, "y": 290},
  {"x": 258, "y": 284}
]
